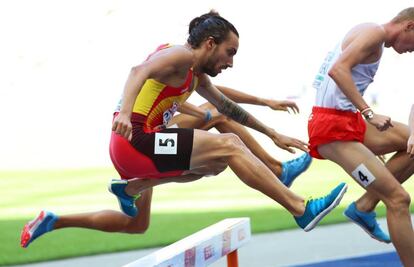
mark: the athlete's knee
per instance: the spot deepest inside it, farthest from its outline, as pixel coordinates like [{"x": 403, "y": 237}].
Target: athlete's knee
[
  {"x": 137, "y": 226},
  {"x": 233, "y": 143},
  {"x": 398, "y": 199}
]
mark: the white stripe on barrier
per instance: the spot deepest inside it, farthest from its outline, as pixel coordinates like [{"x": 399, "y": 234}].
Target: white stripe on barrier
[{"x": 202, "y": 248}]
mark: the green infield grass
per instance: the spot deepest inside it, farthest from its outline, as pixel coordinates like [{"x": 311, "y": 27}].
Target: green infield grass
[{"x": 178, "y": 209}]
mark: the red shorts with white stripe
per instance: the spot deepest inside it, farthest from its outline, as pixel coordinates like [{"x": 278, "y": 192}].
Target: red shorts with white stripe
[{"x": 326, "y": 125}]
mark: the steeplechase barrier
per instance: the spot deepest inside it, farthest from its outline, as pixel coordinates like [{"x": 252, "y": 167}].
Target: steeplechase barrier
[{"x": 202, "y": 248}]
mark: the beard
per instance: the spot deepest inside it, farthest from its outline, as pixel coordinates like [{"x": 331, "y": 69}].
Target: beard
[
  {"x": 210, "y": 72},
  {"x": 209, "y": 69}
]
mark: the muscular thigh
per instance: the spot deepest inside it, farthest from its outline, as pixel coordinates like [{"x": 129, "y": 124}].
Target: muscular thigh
[
  {"x": 362, "y": 165},
  {"x": 210, "y": 148},
  {"x": 391, "y": 140},
  {"x": 169, "y": 149}
]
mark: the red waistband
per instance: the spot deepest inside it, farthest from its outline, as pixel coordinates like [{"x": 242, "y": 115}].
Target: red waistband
[{"x": 347, "y": 113}]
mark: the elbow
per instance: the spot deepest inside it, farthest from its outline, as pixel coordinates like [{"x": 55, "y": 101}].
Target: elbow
[
  {"x": 334, "y": 72},
  {"x": 338, "y": 71},
  {"x": 139, "y": 73},
  {"x": 135, "y": 70}
]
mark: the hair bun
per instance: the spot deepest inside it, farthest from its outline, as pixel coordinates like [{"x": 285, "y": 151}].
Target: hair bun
[{"x": 198, "y": 20}]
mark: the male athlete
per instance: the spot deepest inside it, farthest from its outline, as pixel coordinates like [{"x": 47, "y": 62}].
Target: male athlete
[
  {"x": 146, "y": 153},
  {"x": 338, "y": 132}
]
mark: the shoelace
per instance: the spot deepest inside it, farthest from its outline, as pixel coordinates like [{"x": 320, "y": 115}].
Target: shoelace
[
  {"x": 317, "y": 200},
  {"x": 294, "y": 160},
  {"x": 314, "y": 199}
]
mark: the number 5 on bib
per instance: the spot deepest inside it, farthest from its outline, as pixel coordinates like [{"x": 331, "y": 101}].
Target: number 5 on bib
[{"x": 165, "y": 143}]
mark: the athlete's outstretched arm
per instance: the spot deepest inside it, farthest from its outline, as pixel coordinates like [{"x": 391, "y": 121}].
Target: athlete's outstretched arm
[
  {"x": 232, "y": 110},
  {"x": 241, "y": 97},
  {"x": 238, "y": 97}
]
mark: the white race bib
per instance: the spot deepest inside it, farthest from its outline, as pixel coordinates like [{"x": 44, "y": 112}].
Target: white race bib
[
  {"x": 165, "y": 143},
  {"x": 363, "y": 175}
]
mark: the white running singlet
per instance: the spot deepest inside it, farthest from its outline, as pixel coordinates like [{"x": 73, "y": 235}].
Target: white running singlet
[{"x": 328, "y": 94}]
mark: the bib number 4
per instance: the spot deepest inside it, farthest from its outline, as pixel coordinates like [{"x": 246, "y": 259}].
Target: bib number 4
[{"x": 363, "y": 175}]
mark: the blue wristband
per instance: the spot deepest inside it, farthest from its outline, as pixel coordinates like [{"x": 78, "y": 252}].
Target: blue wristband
[{"x": 207, "y": 116}]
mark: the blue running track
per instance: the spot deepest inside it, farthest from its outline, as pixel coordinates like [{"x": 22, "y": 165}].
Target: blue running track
[{"x": 389, "y": 259}]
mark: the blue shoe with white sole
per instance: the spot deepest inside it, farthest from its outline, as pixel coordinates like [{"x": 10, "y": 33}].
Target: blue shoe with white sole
[{"x": 316, "y": 209}]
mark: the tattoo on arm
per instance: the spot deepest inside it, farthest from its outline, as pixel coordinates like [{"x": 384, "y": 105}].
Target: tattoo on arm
[{"x": 232, "y": 110}]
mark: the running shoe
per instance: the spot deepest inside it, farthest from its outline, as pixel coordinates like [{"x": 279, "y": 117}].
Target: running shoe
[
  {"x": 126, "y": 202},
  {"x": 42, "y": 224},
  {"x": 316, "y": 209},
  {"x": 367, "y": 221},
  {"x": 292, "y": 168}
]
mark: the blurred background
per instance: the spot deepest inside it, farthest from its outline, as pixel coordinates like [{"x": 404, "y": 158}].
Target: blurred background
[{"x": 63, "y": 65}]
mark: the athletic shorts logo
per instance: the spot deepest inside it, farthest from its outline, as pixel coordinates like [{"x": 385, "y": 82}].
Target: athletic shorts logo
[
  {"x": 169, "y": 113},
  {"x": 165, "y": 143}
]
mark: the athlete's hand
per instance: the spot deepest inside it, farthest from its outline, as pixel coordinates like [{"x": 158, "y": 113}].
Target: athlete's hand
[
  {"x": 122, "y": 125},
  {"x": 410, "y": 146},
  {"x": 381, "y": 122},
  {"x": 286, "y": 142},
  {"x": 284, "y": 105}
]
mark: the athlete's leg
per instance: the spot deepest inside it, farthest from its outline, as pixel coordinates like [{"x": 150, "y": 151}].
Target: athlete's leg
[
  {"x": 229, "y": 149},
  {"x": 137, "y": 185},
  {"x": 211, "y": 153},
  {"x": 400, "y": 164},
  {"x": 217, "y": 149},
  {"x": 213, "y": 149},
  {"x": 104, "y": 220},
  {"x": 114, "y": 221},
  {"x": 110, "y": 220},
  {"x": 224, "y": 125},
  {"x": 355, "y": 158}
]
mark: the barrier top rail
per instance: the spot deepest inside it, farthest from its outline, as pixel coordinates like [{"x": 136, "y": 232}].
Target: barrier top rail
[{"x": 201, "y": 248}]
